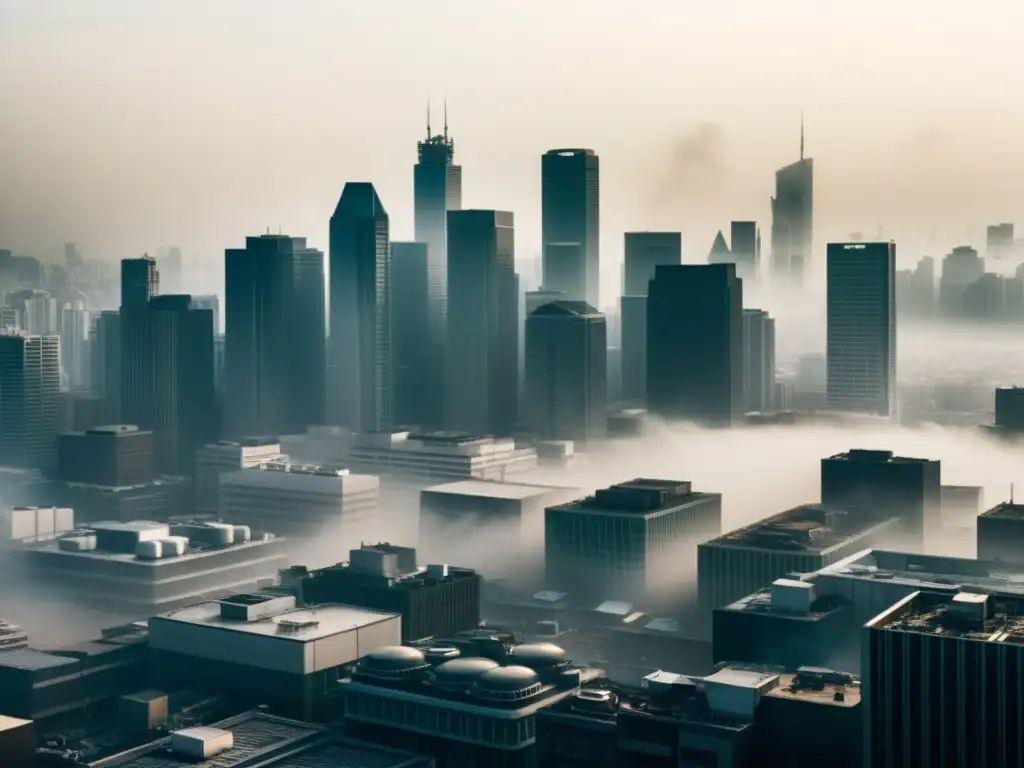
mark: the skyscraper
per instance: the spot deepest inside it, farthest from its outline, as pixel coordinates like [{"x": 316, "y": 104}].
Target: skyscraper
[
  {"x": 37, "y": 310},
  {"x": 106, "y": 362},
  {"x": 758, "y": 361},
  {"x": 274, "y": 352},
  {"x": 29, "y": 399},
  {"x": 566, "y": 372},
  {"x": 861, "y": 327},
  {"x": 360, "y": 343},
  {"x": 481, "y": 380},
  {"x": 745, "y": 245},
  {"x": 140, "y": 281},
  {"x": 167, "y": 378},
  {"x": 644, "y": 251},
  {"x": 570, "y": 207},
  {"x": 410, "y": 335},
  {"x": 793, "y": 218},
  {"x": 695, "y": 344},
  {"x": 74, "y": 346},
  {"x": 437, "y": 189},
  {"x": 211, "y": 301}
]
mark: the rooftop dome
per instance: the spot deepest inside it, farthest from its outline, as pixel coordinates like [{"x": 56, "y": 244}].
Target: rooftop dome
[
  {"x": 441, "y": 654},
  {"x": 537, "y": 655},
  {"x": 462, "y": 672},
  {"x": 394, "y": 660},
  {"x": 506, "y": 684}
]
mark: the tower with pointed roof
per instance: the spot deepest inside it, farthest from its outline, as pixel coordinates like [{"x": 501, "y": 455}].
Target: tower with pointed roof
[{"x": 793, "y": 219}]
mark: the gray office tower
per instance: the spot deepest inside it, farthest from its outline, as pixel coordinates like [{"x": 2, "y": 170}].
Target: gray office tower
[
  {"x": 643, "y": 253},
  {"x": 140, "y": 281},
  {"x": 567, "y": 372},
  {"x": 29, "y": 399},
  {"x": 482, "y": 355},
  {"x": 106, "y": 362},
  {"x": 758, "y": 361},
  {"x": 437, "y": 189},
  {"x": 414, "y": 403},
  {"x": 274, "y": 346},
  {"x": 793, "y": 219},
  {"x": 570, "y": 208},
  {"x": 360, "y": 342},
  {"x": 167, "y": 378},
  {"x": 861, "y": 328},
  {"x": 745, "y": 246},
  {"x": 695, "y": 344}
]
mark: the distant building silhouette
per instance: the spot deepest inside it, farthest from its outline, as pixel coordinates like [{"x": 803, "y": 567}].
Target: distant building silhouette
[
  {"x": 172, "y": 270},
  {"x": 140, "y": 281},
  {"x": 211, "y": 301},
  {"x": 481, "y": 381},
  {"x": 960, "y": 269},
  {"x": 695, "y": 344},
  {"x": 414, "y": 403},
  {"x": 274, "y": 364},
  {"x": 566, "y": 372},
  {"x": 167, "y": 378},
  {"x": 74, "y": 347},
  {"x": 644, "y": 252},
  {"x": 861, "y": 328},
  {"x": 360, "y": 353},
  {"x": 793, "y": 218},
  {"x": 758, "y": 361},
  {"x": 437, "y": 190},
  {"x": 106, "y": 362},
  {"x": 29, "y": 399},
  {"x": 745, "y": 246},
  {"x": 37, "y": 311},
  {"x": 999, "y": 241},
  {"x": 720, "y": 253},
  {"x": 570, "y": 208}
]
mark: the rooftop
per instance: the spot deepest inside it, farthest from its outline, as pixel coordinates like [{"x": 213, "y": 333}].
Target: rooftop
[
  {"x": 973, "y": 616},
  {"x": 796, "y": 686},
  {"x": 494, "y": 489},
  {"x": 761, "y": 602},
  {"x": 640, "y": 496},
  {"x": 347, "y": 752},
  {"x": 29, "y": 660},
  {"x": 301, "y": 625},
  {"x": 928, "y": 572},
  {"x": 1005, "y": 510},
  {"x": 257, "y": 737},
  {"x": 812, "y": 528},
  {"x": 876, "y": 457}
]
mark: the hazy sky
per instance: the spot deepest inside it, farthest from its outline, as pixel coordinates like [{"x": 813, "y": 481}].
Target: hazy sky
[{"x": 127, "y": 125}]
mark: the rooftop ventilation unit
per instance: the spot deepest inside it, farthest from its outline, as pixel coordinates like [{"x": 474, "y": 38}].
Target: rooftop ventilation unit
[
  {"x": 295, "y": 625},
  {"x": 201, "y": 743}
]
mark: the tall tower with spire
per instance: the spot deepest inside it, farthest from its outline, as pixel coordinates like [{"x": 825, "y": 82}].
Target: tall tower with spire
[
  {"x": 437, "y": 189},
  {"x": 793, "y": 219}
]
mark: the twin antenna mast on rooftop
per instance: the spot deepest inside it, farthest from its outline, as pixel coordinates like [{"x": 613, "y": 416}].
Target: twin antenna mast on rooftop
[{"x": 429, "y": 134}]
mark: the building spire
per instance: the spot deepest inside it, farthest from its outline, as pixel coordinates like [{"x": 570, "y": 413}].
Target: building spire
[
  {"x": 801, "y": 134},
  {"x": 428, "y": 118},
  {"x": 446, "y": 118}
]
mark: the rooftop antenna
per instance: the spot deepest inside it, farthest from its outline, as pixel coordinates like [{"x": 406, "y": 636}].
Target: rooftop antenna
[
  {"x": 446, "y": 118},
  {"x": 1011, "y": 493},
  {"x": 428, "y": 118},
  {"x": 801, "y": 134}
]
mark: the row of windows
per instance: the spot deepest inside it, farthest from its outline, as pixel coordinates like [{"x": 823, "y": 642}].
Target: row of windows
[{"x": 440, "y": 721}]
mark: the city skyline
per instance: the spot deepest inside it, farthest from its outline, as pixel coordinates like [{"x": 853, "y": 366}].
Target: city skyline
[{"x": 870, "y": 172}]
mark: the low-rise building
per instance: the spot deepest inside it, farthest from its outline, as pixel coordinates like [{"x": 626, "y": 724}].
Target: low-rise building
[
  {"x": 261, "y": 648},
  {"x": 460, "y": 710},
  {"x": 422, "y": 459},
  {"x": 1001, "y": 533},
  {"x": 303, "y": 501},
  {"x": 143, "y": 567},
  {"x": 496, "y": 528},
  {"x": 114, "y": 455},
  {"x": 433, "y": 600},
  {"x": 215, "y": 459}
]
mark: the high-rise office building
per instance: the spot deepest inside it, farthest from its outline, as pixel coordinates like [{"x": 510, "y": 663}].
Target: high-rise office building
[
  {"x": 360, "y": 335},
  {"x": 140, "y": 281},
  {"x": 879, "y": 485},
  {"x": 758, "y": 361},
  {"x": 745, "y": 246},
  {"x": 999, "y": 240},
  {"x": 74, "y": 346},
  {"x": 106, "y": 361},
  {"x": 961, "y": 268},
  {"x": 943, "y": 682},
  {"x": 437, "y": 189},
  {"x": 570, "y": 208},
  {"x": 210, "y": 301},
  {"x": 695, "y": 344},
  {"x": 567, "y": 372},
  {"x": 414, "y": 403},
  {"x": 167, "y": 378},
  {"x": 861, "y": 328},
  {"x": 644, "y": 251},
  {"x": 37, "y": 310},
  {"x": 481, "y": 381},
  {"x": 274, "y": 363},
  {"x": 793, "y": 218},
  {"x": 29, "y": 399}
]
